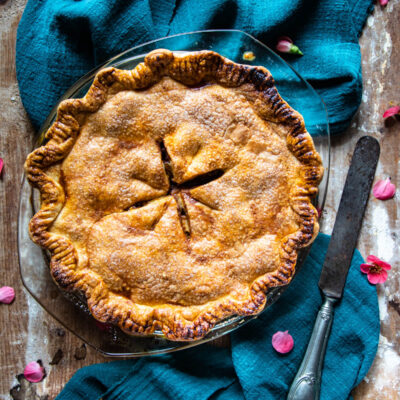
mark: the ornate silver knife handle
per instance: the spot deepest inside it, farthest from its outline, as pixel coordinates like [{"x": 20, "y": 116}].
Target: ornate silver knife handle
[{"x": 307, "y": 382}]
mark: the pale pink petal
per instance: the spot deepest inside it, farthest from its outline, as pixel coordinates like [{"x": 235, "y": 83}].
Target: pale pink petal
[
  {"x": 390, "y": 112},
  {"x": 365, "y": 268},
  {"x": 7, "y": 294},
  {"x": 284, "y": 46},
  {"x": 282, "y": 342},
  {"x": 384, "y": 189},
  {"x": 34, "y": 372}
]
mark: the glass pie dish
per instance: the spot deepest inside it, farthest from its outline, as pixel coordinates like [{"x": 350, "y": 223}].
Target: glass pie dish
[{"x": 69, "y": 308}]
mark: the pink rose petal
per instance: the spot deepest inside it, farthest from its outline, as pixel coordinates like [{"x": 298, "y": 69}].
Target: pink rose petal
[
  {"x": 372, "y": 259},
  {"x": 284, "y": 46},
  {"x": 373, "y": 278},
  {"x": 1, "y": 165},
  {"x": 376, "y": 278},
  {"x": 7, "y": 294},
  {"x": 376, "y": 260},
  {"x": 384, "y": 265},
  {"x": 392, "y": 111},
  {"x": 365, "y": 268},
  {"x": 34, "y": 372},
  {"x": 282, "y": 342},
  {"x": 383, "y": 2},
  {"x": 383, "y": 276},
  {"x": 376, "y": 269},
  {"x": 384, "y": 189}
]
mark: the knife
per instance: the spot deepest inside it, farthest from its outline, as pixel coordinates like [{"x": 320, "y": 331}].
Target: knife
[{"x": 307, "y": 382}]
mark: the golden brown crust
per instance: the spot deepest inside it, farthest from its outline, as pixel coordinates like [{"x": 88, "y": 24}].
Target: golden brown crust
[{"x": 72, "y": 273}]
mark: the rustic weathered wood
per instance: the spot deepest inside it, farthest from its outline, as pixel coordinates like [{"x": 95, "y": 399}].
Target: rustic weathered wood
[
  {"x": 380, "y": 45},
  {"x": 28, "y": 333}
]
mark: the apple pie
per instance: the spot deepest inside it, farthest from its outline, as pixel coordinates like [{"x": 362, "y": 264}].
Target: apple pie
[{"x": 176, "y": 194}]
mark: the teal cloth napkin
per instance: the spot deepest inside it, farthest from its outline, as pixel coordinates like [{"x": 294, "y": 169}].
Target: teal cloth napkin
[
  {"x": 251, "y": 369},
  {"x": 60, "y": 40}
]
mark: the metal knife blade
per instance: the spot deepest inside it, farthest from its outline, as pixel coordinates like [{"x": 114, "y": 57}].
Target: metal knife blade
[
  {"x": 349, "y": 217},
  {"x": 307, "y": 382}
]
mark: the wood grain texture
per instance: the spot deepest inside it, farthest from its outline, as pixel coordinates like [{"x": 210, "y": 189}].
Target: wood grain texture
[{"x": 28, "y": 333}]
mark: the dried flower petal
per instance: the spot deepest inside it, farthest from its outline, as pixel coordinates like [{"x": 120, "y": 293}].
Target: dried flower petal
[
  {"x": 383, "y": 2},
  {"x": 392, "y": 111},
  {"x": 34, "y": 372},
  {"x": 282, "y": 342},
  {"x": 57, "y": 357},
  {"x": 384, "y": 189},
  {"x": 80, "y": 352},
  {"x": 7, "y": 294},
  {"x": 376, "y": 269},
  {"x": 285, "y": 45}
]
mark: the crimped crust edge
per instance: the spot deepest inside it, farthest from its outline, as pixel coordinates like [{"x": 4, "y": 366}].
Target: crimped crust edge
[{"x": 189, "y": 69}]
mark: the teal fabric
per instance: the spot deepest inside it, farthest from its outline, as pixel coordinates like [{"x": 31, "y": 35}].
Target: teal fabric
[
  {"x": 60, "y": 40},
  {"x": 251, "y": 369}
]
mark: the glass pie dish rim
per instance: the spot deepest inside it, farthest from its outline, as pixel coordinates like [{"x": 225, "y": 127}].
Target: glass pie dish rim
[{"x": 275, "y": 292}]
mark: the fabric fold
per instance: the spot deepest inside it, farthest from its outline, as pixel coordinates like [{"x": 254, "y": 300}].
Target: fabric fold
[{"x": 58, "y": 41}]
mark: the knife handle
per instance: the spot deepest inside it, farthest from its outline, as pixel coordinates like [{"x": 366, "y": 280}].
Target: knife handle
[{"x": 307, "y": 382}]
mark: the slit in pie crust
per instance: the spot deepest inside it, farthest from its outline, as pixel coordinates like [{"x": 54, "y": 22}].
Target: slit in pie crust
[{"x": 176, "y": 194}]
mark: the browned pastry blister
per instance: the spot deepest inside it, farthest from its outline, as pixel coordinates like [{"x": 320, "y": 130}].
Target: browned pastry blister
[{"x": 176, "y": 194}]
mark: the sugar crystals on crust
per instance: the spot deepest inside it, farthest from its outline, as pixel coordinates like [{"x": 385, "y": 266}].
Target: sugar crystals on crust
[{"x": 176, "y": 194}]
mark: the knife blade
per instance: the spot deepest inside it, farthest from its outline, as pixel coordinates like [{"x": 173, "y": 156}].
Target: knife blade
[
  {"x": 307, "y": 382},
  {"x": 349, "y": 217}
]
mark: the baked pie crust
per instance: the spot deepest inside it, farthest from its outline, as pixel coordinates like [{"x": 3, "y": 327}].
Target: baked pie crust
[{"x": 176, "y": 194}]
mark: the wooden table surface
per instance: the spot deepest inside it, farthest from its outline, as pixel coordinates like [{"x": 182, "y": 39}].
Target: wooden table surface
[{"x": 28, "y": 333}]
